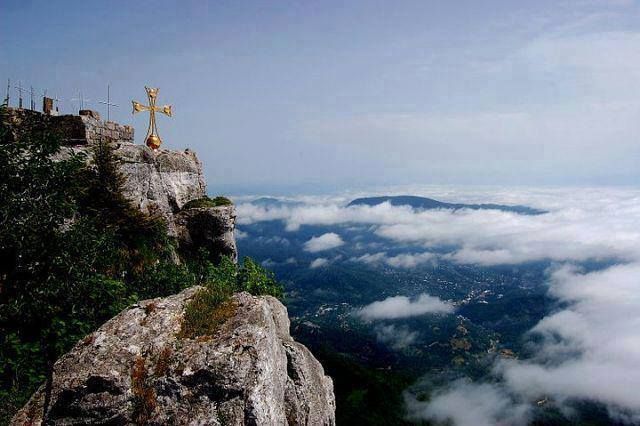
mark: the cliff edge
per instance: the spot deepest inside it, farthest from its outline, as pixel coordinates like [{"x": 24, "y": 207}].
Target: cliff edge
[{"x": 135, "y": 369}]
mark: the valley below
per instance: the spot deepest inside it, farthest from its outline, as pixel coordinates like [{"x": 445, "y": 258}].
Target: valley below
[{"x": 395, "y": 322}]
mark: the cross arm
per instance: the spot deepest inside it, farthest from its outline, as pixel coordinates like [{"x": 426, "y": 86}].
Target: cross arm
[
  {"x": 137, "y": 107},
  {"x": 164, "y": 109}
]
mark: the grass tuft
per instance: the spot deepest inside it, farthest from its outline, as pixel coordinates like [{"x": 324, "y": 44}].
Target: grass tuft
[
  {"x": 207, "y": 202},
  {"x": 212, "y": 305},
  {"x": 207, "y": 311}
]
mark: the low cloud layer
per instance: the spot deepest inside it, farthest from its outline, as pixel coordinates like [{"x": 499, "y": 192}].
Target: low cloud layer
[
  {"x": 588, "y": 350},
  {"x": 403, "y": 307},
  {"x": 587, "y": 225},
  {"x": 601, "y": 324},
  {"x": 468, "y": 404},
  {"x": 323, "y": 242}
]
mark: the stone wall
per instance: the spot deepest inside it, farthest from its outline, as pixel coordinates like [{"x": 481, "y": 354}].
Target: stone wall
[
  {"x": 98, "y": 131},
  {"x": 73, "y": 129}
]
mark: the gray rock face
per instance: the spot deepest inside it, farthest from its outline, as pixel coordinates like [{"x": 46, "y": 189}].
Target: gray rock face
[
  {"x": 134, "y": 369},
  {"x": 162, "y": 182}
]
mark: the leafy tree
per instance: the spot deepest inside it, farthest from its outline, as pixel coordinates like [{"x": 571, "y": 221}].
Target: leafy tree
[
  {"x": 255, "y": 279},
  {"x": 37, "y": 199}
]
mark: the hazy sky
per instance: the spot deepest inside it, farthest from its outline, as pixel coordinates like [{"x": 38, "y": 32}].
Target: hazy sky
[{"x": 333, "y": 94}]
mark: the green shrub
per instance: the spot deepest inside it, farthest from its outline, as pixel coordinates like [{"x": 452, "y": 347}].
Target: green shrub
[
  {"x": 205, "y": 312},
  {"x": 162, "y": 278},
  {"x": 255, "y": 279},
  {"x": 224, "y": 275},
  {"x": 207, "y": 202},
  {"x": 212, "y": 305}
]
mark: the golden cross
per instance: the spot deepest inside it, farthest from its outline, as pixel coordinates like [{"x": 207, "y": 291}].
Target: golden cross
[{"x": 152, "y": 139}]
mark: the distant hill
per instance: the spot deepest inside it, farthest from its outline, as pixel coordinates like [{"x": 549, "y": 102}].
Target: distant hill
[{"x": 424, "y": 203}]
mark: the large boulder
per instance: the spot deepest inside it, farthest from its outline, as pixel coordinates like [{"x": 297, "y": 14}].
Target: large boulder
[{"x": 136, "y": 369}]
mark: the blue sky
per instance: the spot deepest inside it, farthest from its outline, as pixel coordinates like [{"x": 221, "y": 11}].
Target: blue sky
[{"x": 327, "y": 95}]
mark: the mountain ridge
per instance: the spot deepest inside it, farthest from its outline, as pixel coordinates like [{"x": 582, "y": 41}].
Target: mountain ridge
[{"x": 425, "y": 203}]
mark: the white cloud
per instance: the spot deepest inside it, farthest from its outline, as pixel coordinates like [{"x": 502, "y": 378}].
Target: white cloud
[
  {"x": 397, "y": 337},
  {"x": 405, "y": 260},
  {"x": 403, "y": 307},
  {"x": 601, "y": 324},
  {"x": 240, "y": 235},
  {"x": 275, "y": 239},
  {"x": 588, "y": 350},
  {"x": 320, "y": 214},
  {"x": 467, "y": 404},
  {"x": 319, "y": 262},
  {"x": 371, "y": 259},
  {"x": 268, "y": 263},
  {"x": 410, "y": 260},
  {"x": 582, "y": 224},
  {"x": 326, "y": 241}
]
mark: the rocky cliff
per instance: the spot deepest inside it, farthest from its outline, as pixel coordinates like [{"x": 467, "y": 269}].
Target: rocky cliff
[
  {"x": 136, "y": 370},
  {"x": 162, "y": 182},
  {"x": 159, "y": 182}
]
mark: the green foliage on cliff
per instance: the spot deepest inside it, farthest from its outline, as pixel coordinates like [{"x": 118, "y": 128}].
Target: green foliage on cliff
[
  {"x": 73, "y": 253},
  {"x": 207, "y": 202},
  {"x": 257, "y": 280},
  {"x": 212, "y": 305},
  {"x": 37, "y": 197}
]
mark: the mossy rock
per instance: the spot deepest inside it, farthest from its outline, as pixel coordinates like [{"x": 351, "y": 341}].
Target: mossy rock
[{"x": 207, "y": 202}]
